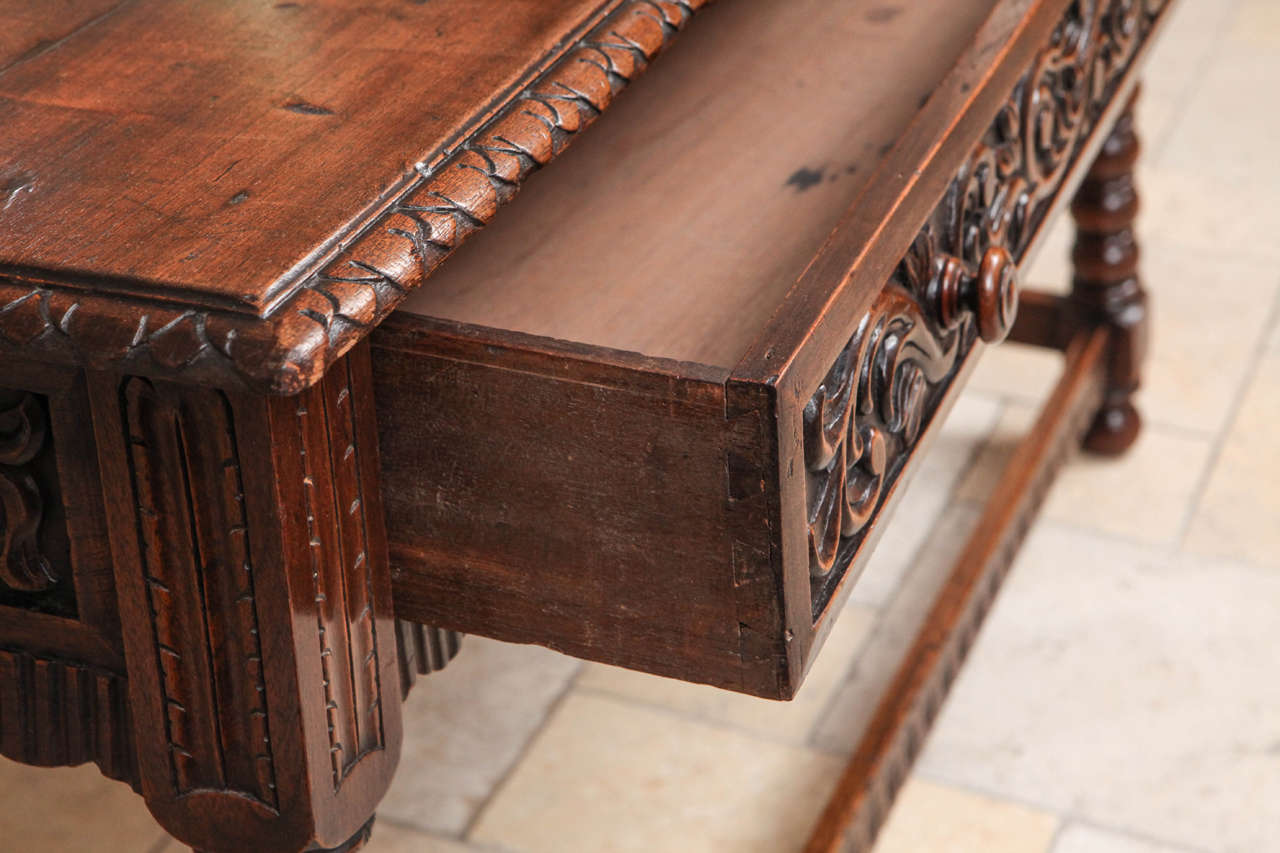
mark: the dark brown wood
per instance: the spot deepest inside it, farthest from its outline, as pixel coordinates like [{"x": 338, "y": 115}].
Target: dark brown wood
[
  {"x": 422, "y": 650},
  {"x": 723, "y": 568},
  {"x": 341, "y": 154},
  {"x": 62, "y": 688},
  {"x": 1106, "y": 281},
  {"x": 264, "y": 686},
  {"x": 891, "y": 741},
  {"x": 604, "y": 437}
]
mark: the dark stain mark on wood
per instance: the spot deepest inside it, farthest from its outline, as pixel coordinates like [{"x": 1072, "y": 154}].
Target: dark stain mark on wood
[
  {"x": 307, "y": 109},
  {"x": 288, "y": 5},
  {"x": 883, "y": 14},
  {"x": 804, "y": 178},
  {"x": 239, "y": 197}
]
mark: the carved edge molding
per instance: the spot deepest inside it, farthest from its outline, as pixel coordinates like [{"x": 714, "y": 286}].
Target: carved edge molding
[
  {"x": 330, "y": 310},
  {"x": 61, "y": 713},
  {"x": 955, "y": 283}
]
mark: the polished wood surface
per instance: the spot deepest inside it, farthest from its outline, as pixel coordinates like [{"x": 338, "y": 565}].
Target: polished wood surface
[
  {"x": 677, "y": 226},
  {"x": 231, "y": 490},
  {"x": 255, "y": 187},
  {"x": 237, "y": 140}
]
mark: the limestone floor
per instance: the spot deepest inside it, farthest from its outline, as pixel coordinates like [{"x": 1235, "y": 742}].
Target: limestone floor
[{"x": 1124, "y": 696}]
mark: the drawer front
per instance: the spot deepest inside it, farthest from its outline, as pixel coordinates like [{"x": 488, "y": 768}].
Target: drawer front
[
  {"x": 706, "y": 523},
  {"x": 865, "y": 396}
]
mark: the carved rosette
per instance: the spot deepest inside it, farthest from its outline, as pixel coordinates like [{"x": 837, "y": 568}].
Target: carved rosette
[{"x": 956, "y": 283}]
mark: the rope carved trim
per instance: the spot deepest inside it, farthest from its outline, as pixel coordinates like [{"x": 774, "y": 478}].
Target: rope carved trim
[{"x": 329, "y": 311}]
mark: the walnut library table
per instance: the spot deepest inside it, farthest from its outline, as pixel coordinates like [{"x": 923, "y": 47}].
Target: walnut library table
[{"x": 259, "y": 426}]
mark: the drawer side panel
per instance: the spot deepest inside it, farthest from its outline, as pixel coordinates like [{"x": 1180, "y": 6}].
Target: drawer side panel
[{"x": 593, "y": 514}]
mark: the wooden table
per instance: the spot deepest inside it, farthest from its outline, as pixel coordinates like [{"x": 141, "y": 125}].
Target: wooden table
[{"x": 656, "y": 415}]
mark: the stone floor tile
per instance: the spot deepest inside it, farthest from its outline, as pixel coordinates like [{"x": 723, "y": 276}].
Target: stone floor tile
[
  {"x": 1199, "y": 358},
  {"x": 1255, "y": 24},
  {"x": 1017, "y": 372},
  {"x": 929, "y": 817},
  {"x": 1144, "y": 495},
  {"x": 1078, "y": 838},
  {"x": 1127, "y": 687},
  {"x": 851, "y": 708},
  {"x": 779, "y": 721},
  {"x": 1226, "y": 95},
  {"x": 390, "y": 838},
  {"x": 1239, "y": 513},
  {"x": 464, "y": 728},
  {"x": 67, "y": 809},
  {"x": 1191, "y": 39},
  {"x": 927, "y": 495},
  {"x": 1201, "y": 209},
  {"x": 605, "y": 775}
]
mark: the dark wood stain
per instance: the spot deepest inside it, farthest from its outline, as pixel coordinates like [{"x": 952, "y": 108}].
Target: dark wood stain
[{"x": 804, "y": 178}]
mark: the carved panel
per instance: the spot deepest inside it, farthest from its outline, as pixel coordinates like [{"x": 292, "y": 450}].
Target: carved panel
[
  {"x": 255, "y": 588},
  {"x": 23, "y": 565},
  {"x": 341, "y": 571},
  {"x": 194, "y": 544},
  {"x": 956, "y": 282},
  {"x": 35, "y": 564}
]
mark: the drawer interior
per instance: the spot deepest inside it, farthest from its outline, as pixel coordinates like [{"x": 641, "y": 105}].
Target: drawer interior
[
  {"x": 568, "y": 456},
  {"x": 675, "y": 226}
]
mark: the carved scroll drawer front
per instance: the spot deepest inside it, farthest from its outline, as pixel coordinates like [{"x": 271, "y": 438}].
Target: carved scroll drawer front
[{"x": 656, "y": 414}]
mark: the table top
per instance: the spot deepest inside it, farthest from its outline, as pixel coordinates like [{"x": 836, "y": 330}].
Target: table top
[{"x": 203, "y": 171}]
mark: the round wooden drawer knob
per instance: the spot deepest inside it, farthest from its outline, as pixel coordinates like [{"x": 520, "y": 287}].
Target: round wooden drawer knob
[
  {"x": 990, "y": 293},
  {"x": 995, "y": 295}
]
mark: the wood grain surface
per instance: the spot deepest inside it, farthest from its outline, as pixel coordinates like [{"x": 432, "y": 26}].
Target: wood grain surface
[{"x": 676, "y": 227}]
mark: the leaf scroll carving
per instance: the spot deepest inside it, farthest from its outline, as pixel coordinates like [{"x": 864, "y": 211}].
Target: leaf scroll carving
[
  {"x": 956, "y": 282},
  {"x": 23, "y": 433}
]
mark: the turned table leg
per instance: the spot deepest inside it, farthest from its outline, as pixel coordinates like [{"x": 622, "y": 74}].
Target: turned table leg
[
  {"x": 252, "y": 580},
  {"x": 1106, "y": 281}
]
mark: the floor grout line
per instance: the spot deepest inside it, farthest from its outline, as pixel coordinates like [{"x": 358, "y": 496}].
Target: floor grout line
[
  {"x": 1245, "y": 384},
  {"x": 523, "y": 753},
  {"x": 1067, "y": 817},
  {"x": 691, "y": 717},
  {"x": 162, "y": 843},
  {"x": 976, "y": 451}
]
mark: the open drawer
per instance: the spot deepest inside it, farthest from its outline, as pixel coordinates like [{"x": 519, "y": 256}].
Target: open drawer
[{"x": 656, "y": 414}]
